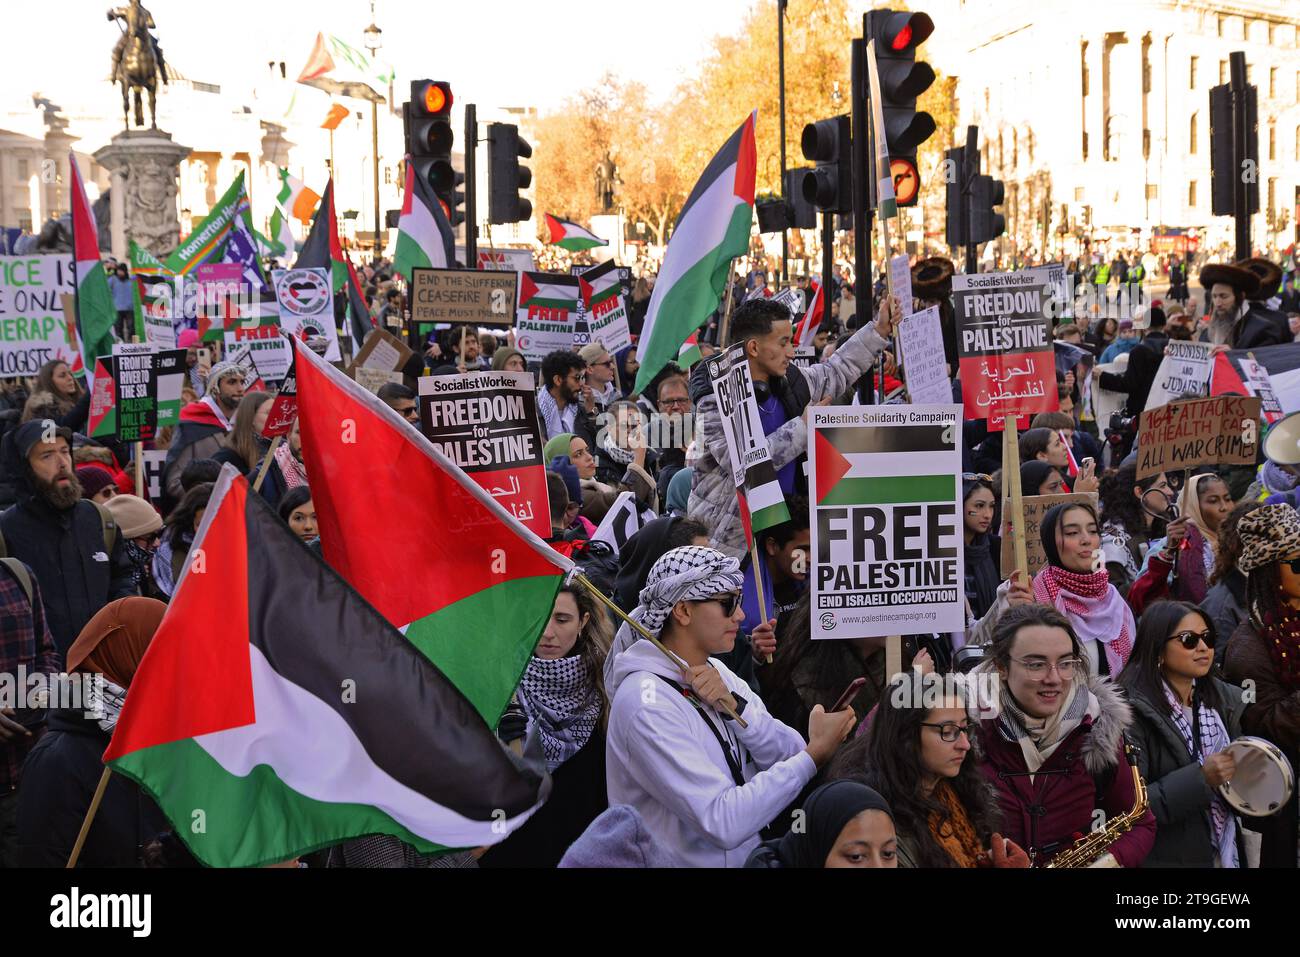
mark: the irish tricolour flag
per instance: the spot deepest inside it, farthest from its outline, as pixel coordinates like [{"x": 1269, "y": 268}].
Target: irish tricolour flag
[
  {"x": 296, "y": 198},
  {"x": 571, "y": 236},
  {"x": 276, "y": 712},
  {"x": 94, "y": 303},
  {"x": 711, "y": 231},
  {"x": 424, "y": 235}
]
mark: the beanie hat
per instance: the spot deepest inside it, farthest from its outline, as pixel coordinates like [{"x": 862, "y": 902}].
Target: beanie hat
[
  {"x": 1269, "y": 534},
  {"x": 186, "y": 338},
  {"x": 566, "y": 470},
  {"x": 94, "y": 480},
  {"x": 135, "y": 517}
]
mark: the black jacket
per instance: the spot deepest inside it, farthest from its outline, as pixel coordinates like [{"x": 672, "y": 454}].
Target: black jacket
[
  {"x": 1143, "y": 362},
  {"x": 66, "y": 551},
  {"x": 1260, "y": 326},
  {"x": 1176, "y": 788},
  {"x": 59, "y": 780}
]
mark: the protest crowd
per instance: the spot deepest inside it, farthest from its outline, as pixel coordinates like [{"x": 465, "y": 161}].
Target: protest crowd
[{"x": 671, "y": 680}]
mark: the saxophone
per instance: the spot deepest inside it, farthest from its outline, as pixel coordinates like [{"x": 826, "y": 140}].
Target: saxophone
[{"x": 1088, "y": 849}]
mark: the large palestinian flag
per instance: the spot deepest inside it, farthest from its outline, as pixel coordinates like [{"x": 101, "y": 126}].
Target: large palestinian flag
[
  {"x": 424, "y": 234},
  {"x": 437, "y": 556},
  {"x": 95, "y": 314},
  {"x": 571, "y": 236},
  {"x": 276, "y": 712},
  {"x": 712, "y": 230}
]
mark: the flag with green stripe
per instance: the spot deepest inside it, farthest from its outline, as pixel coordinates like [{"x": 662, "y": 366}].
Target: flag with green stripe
[{"x": 885, "y": 203}]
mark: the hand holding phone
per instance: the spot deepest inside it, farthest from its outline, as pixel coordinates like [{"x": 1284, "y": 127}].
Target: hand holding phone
[{"x": 850, "y": 693}]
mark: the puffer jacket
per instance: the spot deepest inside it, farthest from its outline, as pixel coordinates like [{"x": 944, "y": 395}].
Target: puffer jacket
[{"x": 713, "y": 494}]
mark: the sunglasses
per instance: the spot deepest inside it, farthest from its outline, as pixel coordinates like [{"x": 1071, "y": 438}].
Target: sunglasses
[
  {"x": 1192, "y": 639},
  {"x": 729, "y": 602},
  {"x": 1294, "y": 565}
]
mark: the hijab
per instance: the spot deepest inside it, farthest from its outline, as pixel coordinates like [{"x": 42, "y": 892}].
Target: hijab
[
  {"x": 114, "y": 640},
  {"x": 1190, "y": 505},
  {"x": 826, "y": 812},
  {"x": 557, "y": 445},
  {"x": 640, "y": 552},
  {"x": 1033, "y": 474}
]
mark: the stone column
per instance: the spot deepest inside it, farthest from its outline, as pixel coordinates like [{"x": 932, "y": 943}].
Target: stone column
[{"x": 144, "y": 165}]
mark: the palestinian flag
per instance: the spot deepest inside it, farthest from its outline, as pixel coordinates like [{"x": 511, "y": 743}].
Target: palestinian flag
[
  {"x": 812, "y": 318},
  {"x": 323, "y": 249},
  {"x": 711, "y": 231},
  {"x": 689, "y": 353},
  {"x": 281, "y": 704},
  {"x": 1241, "y": 372},
  {"x": 549, "y": 291},
  {"x": 424, "y": 235},
  {"x": 883, "y": 193},
  {"x": 95, "y": 314},
  {"x": 295, "y": 198},
  {"x": 281, "y": 242},
  {"x": 1071, "y": 465},
  {"x": 422, "y": 541},
  {"x": 849, "y": 468},
  {"x": 571, "y": 236},
  {"x": 762, "y": 503}
]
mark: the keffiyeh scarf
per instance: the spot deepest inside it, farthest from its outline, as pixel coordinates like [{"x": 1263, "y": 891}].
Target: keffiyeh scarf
[
  {"x": 564, "y": 704},
  {"x": 292, "y": 470},
  {"x": 1039, "y": 737},
  {"x": 610, "y": 448},
  {"x": 1214, "y": 738},
  {"x": 103, "y": 700},
  {"x": 1095, "y": 609},
  {"x": 556, "y": 422}
]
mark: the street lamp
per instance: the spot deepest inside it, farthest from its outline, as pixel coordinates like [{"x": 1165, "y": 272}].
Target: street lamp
[{"x": 374, "y": 39}]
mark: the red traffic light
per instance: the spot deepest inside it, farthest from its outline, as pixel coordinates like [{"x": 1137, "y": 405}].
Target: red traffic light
[
  {"x": 902, "y": 38},
  {"x": 435, "y": 98},
  {"x": 431, "y": 97}
]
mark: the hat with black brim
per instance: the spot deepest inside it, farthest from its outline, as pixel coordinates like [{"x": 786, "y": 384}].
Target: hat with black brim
[
  {"x": 1243, "y": 280},
  {"x": 932, "y": 278},
  {"x": 1268, "y": 273}
]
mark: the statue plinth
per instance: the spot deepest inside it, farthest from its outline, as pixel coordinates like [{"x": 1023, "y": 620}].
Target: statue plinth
[{"x": 145, "y": 165}]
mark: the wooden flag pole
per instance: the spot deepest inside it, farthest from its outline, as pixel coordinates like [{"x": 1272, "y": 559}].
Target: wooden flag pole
[
  {"x": 139, "y": 471},
  {"x": 725, "y": 326},
  {"x": 89, "y": 818},
  {"x": 758, "y": 584},
  {"x": 266, "y": 463},
  {"x": 1011, "y": 484},
  {"x": 646, "y": 634}
]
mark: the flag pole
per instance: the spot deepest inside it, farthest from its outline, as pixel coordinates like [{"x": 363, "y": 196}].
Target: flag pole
[
  {"x": 90, "y": 817},
  {"x": 266, "y": 463},
  {"x": 758, "y": 584},
  {"x": 649, "y": 636},
  {"x": 1011, "y": 485},
  {"x": 726, "y": 309}
]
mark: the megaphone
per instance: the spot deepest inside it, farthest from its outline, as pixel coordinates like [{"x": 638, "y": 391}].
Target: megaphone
[{"x": 1282, "y": 443}]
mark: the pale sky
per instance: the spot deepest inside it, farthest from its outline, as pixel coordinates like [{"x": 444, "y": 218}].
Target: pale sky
[{"x": 506, "y": 53}]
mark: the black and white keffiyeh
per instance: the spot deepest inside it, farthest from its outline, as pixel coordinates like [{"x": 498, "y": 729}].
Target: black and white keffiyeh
[
  {"x": 102, "y": 700},
  {"x": 611, "y": 448},
  {"x": 556, "y": 422},
  {"x": 564, "y": 704}
]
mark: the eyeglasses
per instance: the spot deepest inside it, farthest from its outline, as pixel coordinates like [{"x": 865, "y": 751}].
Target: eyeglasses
[
  {"x": 729, "y": 602},
  {"x": 948, "y": 731},
  {"x": 1294, "y": 565},
  {"x": 683, "y": 402},
  {"x": 607, "y": 362},
  {"x": 1192, "y": 639},
  {"x": 1038, "y": 669}
]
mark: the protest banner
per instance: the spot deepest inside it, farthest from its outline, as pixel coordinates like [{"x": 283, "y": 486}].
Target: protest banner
[
  {"x": 1221, "y": 430},
  {"x": 270, "y": 351},
  {"x": 886, "y": 520},
  {"x": 546, "y": 314},
  {"x": 154, "y": 460},
  {"x": 486, "y": 423},
  {"x": 1239, "y": 373},
  {"x": 159, "y": 305},
  {"x": 1005, "y": 356},
  {"x": 605, "y": 306},
  {"x": 383, "y": 350},
  {"x": 306, "y": 302},
  {"x": 284, "y": 408},
  {"x": 482, "y": 298},
  {"x": 804, "y": 356},
  {"x": 508, "y": 260},
  {"x": 221, "y": 298},
  {"x": 900, "y": 283},
  {"x": 920, "y": 340},
  {"x": 372, "y": 379},
  {"x": 137, "y": 391},
  {"x": 32, "y": 327},
  {"x": 1183, "y": 372},
  {"x": 1033, "y": 507},
  {"x": 621, "y": 522}
]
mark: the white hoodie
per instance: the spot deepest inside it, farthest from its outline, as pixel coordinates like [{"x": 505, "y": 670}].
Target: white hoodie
[{"x": 662, "y": 760}]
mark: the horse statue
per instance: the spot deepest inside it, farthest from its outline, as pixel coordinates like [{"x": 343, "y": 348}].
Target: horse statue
[{"x": 137, "y": 62}]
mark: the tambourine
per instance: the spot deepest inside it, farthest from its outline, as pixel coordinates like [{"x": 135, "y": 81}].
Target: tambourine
[{"x": 1263, "y": 782}]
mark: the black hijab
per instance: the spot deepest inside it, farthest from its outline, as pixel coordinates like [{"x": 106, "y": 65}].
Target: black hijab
[
  {"x": 826, "y": 812},
  {"x": 1047, "y": 528},
  {"x": 642, "y": 550},
  {"x": 1032, "y": 475}
]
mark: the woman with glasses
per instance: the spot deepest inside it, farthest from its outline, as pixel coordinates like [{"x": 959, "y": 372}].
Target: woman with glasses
[
  {"x": 1076, "y": 583},
  {"x": 1265, "y": 650},
  {"x": 1180, "y": 565},
  {"x": 920, "y": 761},
  {"x": 983, "y": 549},
  {"x": 1056, "y": 745},
  {"x": 1184, "y": 719}
]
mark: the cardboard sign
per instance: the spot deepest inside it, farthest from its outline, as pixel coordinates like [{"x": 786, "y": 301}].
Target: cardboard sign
[
  {"x": 486, "y": 423},
  {"x": 546, "y": 314},
  {"x": 284, "y": 408},
  {"x": 900, "y": 281},
  {"x": 32, "y": 326},
  {"x": 1223, "y": 430},
  {"x": 762, "y": 503},
  {"x": 372, "y": 379},
  {"x": 1034, "y": 508},
  {"x": 384, "y": 351},
  {"x": 306, "y": 301},
  {"x": 606, "y": 307},
  {"x": 270, "y": 352},
  {"x": 1007, "y": 365},
  {"x": 484, "y": 298},
  {"x": 886, "y": 520},
  {"x": 920, "y": 341},
  {"x": 137, "y": 391},
  {"x": 1184, "y": 371}
]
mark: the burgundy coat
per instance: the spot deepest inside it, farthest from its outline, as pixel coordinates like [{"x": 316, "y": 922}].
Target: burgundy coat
[{"x": 1050, "y": 814}]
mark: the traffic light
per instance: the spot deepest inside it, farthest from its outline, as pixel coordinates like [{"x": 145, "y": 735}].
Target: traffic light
[
  {"x": 429, "y": 139},
  {"x": 985, "y": 224},
  {"x": 828, "y": 143},
  {"x": 802, "y": 214},
  {"x": 505, "y": 176},
  {"x": 954, "y": 174},
  {"x": 1223, "y": 173},
  {"x": 902, "y": 80}
]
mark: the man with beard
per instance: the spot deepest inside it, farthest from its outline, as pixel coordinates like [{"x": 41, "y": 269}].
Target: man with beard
[
  {"x": 71, "y": 545},
  {"x": 1231, "y": 322},
  {"x": 203, "y": 425},
  {"x": 565, "y": 403}
]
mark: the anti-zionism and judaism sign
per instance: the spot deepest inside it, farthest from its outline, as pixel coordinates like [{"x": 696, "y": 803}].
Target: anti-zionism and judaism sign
[{"x": 886, "y": 520}]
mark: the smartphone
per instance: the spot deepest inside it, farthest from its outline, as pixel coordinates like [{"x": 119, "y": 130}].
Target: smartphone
[
  {"x": 1088, "y": 462},
  {"x": 850, "y": 693}
]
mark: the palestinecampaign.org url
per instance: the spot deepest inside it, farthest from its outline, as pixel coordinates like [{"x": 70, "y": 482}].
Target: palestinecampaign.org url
[{"x": 892, "y": 616}]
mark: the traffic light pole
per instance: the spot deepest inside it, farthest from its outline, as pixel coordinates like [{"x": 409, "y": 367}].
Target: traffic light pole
[
  {"x": 969, "y": 170},
  {"x": 780, "y": 60},
  {"x": 374, "y": 149},
  {"x": 1240, "y": 197},
  {"x": 861, "y": 213},
  {"x": 828, "y": 264},
  {"x": 471, "y": 186}
]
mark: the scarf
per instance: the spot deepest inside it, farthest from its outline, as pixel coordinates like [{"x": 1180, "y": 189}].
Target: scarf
[
  {"x": 103, "y": 700},
  {"x": 953, "y": 831},
  {"x": 290, "y": 468},
  {"x": 610, "y": 448},
  {"x": 555, "y": 421},
  {"x": 1095, "y": 609},
  {"x": 1214, "y": 738},
  {"x": 1282, "y": 633},
  {"x": 1039, "y": 737},
  {"x": 563, "y": 703},
  {"x": 1190, "y": 506},
  {"x": 140, "y": 559},
  {"x": 1116, "y": 547},
  {"x": 215, "y": 406}
]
